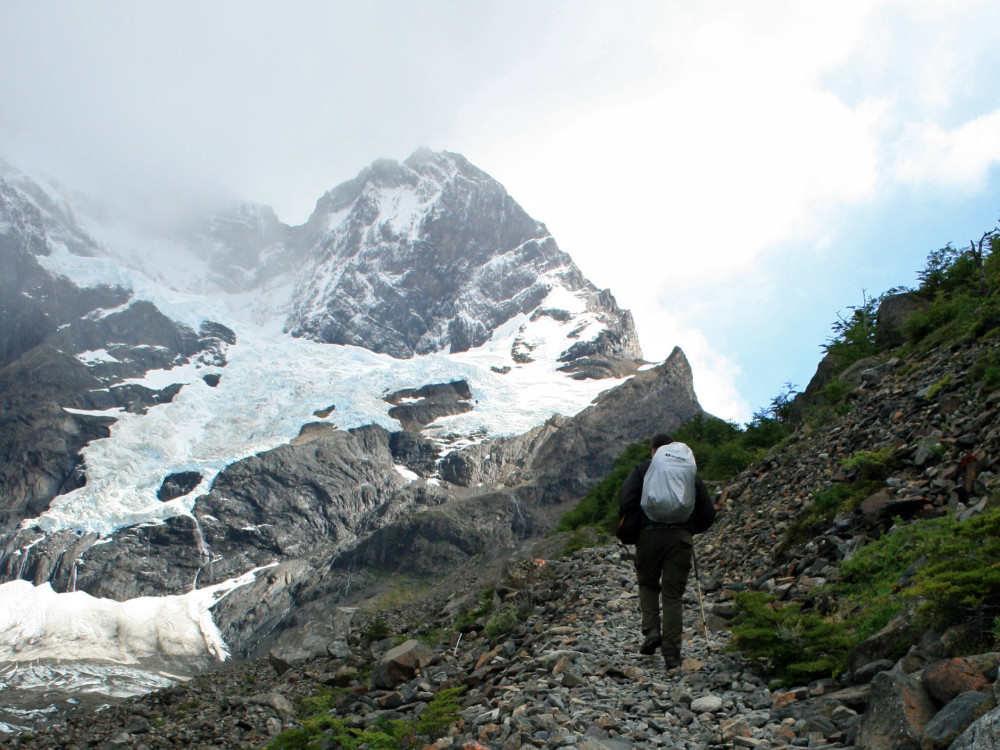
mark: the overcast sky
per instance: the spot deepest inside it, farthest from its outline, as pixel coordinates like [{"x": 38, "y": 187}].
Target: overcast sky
[{"x": 736, "y": 173}]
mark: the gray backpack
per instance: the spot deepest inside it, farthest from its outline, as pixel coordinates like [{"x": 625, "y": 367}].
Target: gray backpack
[{"x": 668, "y": 489}]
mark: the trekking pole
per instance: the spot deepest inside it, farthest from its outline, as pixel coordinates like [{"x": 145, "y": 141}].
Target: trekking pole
[{"x": 701, "y": 602}]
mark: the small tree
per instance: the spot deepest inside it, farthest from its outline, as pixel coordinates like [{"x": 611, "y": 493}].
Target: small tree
[
  {"x": 977, "y": 256},
  {"x": 854, "y": 336}
]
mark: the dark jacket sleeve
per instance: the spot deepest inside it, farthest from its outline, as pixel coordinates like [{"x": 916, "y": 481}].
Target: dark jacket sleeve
[
  {"x": 703, "y": 515},
  {"x": 630, "y": 495}
]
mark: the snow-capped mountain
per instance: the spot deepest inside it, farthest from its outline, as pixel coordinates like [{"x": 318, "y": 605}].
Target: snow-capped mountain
[
  {"x": 433, "y": 254},
  {"x": 239, "y": 424}
]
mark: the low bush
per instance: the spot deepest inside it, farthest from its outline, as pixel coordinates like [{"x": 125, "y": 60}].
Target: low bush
[
  {"x": 871, "y": 465},
  {"x": 793, "y": 645},
  {"x": 986, "y": 370},
  {"x": 377, "y": 629},
  {"x": 440, "y": 713},
  {"x": 503, "y": 621},
  {"x": 948, "y": 570},
  {"x": 843, "y": 497}
]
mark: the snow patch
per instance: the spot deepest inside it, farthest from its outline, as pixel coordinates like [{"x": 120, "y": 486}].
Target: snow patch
[
  {"x": 94, "y": 412},
  {"x": 408, "y": 475},
  {"x": 38, "y": 623},
  {"x": 96, "y": 356}
]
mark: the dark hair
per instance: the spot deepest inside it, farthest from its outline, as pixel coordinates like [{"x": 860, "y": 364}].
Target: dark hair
[{"x": 662, "y": 439}]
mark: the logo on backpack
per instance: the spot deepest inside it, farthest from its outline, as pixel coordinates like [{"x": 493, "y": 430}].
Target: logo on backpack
[{"x": 668, "y": 489}]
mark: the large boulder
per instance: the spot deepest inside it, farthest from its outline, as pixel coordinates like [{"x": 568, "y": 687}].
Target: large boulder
[
  {"x": 951, "y": 677},
  {"x": 325, "y": 636},
  {"x": 401, "y": 664},
  {"x": 898, "y": 712},
  {"x": 983, "y": 735},
  {"x": 954, "y": 718},
  {"x": 892, "y": 315},
  {"x": 884, "y": 643}
]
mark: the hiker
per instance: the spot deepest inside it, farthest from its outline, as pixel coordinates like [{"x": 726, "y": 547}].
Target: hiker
[{"x": 663, "y": 553}]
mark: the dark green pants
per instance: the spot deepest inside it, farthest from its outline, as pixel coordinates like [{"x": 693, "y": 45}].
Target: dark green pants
[{"x": 662, "y": 563}]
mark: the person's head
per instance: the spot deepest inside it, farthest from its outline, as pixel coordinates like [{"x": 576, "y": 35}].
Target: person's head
[{"x": 660, "y": 440}]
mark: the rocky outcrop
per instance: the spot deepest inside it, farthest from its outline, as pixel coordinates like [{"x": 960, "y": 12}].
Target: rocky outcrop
[
  {"x": 899, "y": 709},
  {"x": 417, "y": 407},
  {"x": 892, "y": 314},
  {"x": 984, "y": 734},
  {"x": 563, "y": 458}
]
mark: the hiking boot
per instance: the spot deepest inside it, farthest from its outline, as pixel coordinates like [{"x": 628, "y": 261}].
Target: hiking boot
[
  {"x": 651, "y": 643},
  {"x": 672, "y": 661}
]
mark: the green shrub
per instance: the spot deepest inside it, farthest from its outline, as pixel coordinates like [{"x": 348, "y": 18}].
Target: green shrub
[
  {"x": 960, "y": 581},
  {"x": 485, "y": 606},
  {"x": 440, "y": 713},
  {"x": 947, "y": 569},
  {"x": 377, "y": 629},
  {"x": 963, "y": 302},
  {"x": 835, "y": 391},
  {"x": 871, "y": 465},
  {"x": 843, "y": 497},
  {"x": 578, "y": 540},
  {"x": 503, "y": 621},
  {"x": 986, "y": 369},
  {"x": 796, "y": 646},
  {"x": 939, "y": 386}
]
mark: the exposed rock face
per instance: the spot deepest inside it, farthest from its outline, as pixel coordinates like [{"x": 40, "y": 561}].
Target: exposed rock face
[
  {"x": 49, "y": 332},
  {"x": 892, "y": 314},
  {"x": 417, "y": 407},
  {"x": 565, "y": 457},
  {"x": 434, "y": 254}
]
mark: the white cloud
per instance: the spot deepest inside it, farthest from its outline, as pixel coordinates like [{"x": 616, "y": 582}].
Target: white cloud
[{"x": 958, "y": 159}]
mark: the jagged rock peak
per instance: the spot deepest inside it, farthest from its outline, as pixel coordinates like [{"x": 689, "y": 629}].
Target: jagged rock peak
[
  {"x": 42, "y": 214},
  {"x": 434, "y": 254}
]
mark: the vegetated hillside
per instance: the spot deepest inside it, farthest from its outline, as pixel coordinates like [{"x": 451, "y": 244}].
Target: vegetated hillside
[{"x": 876, "y": 523}]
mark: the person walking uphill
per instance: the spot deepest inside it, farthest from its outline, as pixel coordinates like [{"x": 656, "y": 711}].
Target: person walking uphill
[{"x": 674, "y": 505}]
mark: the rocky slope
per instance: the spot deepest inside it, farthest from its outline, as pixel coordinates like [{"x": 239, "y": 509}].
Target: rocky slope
[{"x": 568, "y": 675}]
